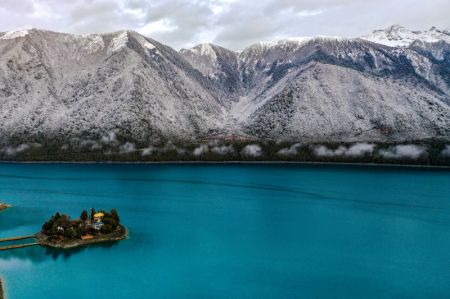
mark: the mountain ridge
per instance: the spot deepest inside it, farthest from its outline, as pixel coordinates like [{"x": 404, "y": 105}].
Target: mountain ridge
[{"x": 64, "y": 86}]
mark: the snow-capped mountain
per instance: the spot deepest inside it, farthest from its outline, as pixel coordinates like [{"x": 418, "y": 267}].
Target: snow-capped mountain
[
  {"x": 391, "y": 85},
  {"x": 68, "y": 85},
  {"x": 398, "y": 36},
  {"x": 218, "y": 64}
]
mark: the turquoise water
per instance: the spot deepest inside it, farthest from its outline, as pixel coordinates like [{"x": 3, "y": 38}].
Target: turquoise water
[{"x": 234, "y": 231}]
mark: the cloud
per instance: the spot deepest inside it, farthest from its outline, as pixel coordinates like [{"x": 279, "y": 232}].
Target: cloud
[
  {"x": 290, "y": 151},
  {"x": 409, "y": 151},
  {"x": 223, "y": 150},
  {"x": 252, "y": 150},
  {"x": 149, "y": 151},
  {"x": 446, "y": 151},
  {"x": 323, "y": 151},
  {"x": 202, "y": 149},
  {"x": 231, "y": 23},
  {"x": 355, "y": 150},
  {"x": 109, "y": 138},
  {"x": 14, "y": 150},
  {"x": 127, "y": 148},
  {"x": 360, "y": 149}
]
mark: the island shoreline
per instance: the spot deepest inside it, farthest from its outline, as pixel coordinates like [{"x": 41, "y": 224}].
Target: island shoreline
[{"x": 121, "y": 234}]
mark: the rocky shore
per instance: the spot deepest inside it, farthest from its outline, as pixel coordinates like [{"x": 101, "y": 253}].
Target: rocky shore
[
  {"x": 120, "y": 233},
  {"x": 3, "y": 206},
  {"x": 1, "y": 290}
]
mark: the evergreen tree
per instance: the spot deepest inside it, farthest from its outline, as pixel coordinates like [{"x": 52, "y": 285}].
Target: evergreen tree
[
  {"x": 84, "y": 215},
  {"x": 115, "y": 215},
  {"x": 92, "y": 214}
]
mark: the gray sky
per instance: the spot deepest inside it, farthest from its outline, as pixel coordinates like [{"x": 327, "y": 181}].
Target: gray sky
[{"x": 230, "y": 23}]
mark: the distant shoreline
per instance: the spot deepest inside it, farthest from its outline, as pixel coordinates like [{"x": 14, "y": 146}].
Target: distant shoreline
[{"x": 419, "y": 166}]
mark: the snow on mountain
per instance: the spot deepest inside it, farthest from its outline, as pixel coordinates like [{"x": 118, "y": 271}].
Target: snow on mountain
[
  {"x": 62, "y": 86},
  {"x": 297, "y": 41},
  {"x": 331, "y": 76},
  {"x": 57, "y": 84},
  {"x": 398, "y": 36},
  {"x": 218, "y": 65},
  {"x": 13, "y": 34},
  {"x": 205, "y": 58}
]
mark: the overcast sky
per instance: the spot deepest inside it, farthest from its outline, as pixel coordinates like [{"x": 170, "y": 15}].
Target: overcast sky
[{"x": 230, "y": 23}]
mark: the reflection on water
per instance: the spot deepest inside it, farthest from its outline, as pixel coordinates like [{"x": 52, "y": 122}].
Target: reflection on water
[
  {"x": 38, "y": 254},
  {"x": 66, "y": 254},
  {"x": 34, "y": 254}
]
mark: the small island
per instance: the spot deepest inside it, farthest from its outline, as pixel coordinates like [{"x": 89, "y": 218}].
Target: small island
[
  {"x": 4, "y": 206},
  {"x": 90, "y": 228}
]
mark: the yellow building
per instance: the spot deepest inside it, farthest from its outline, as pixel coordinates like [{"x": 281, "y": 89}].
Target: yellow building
[{"x": 98, "y": 217}]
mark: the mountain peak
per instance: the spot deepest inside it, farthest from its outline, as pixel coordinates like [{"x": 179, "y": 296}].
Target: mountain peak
[
  {"x": 395, "y": 29},
  {"x": 204, "y": 49},
  {"x": 14, "y": 34},
  {"x": 290, "y": 42},
  {"x": 399, "y": 36}
]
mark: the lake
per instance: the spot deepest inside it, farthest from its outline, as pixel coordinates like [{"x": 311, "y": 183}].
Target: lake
[{"x": 234, "y": 231}]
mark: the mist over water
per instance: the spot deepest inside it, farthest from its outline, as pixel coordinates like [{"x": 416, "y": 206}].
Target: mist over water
[{"x": 234, "y": 231}]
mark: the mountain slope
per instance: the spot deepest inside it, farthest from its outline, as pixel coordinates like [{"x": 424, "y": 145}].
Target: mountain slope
[
  {"x": 218, "y": 65},
  {"x": 391, "y": 86},
  {"x": 61, "y": 84},
  {"x": 364, "y": 107}
]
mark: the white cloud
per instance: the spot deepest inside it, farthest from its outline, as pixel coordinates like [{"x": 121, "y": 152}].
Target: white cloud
[
  {"x": 202, "y": 149},
  {"x": 409, "y": 151},
  {"x": 360, "y": 149},
  {"x": 309, "y": 13},
  {"x": 14, "y": 150},
  {"x": 149, "y": 151},
  {"x": 127, "y": 147},
  {"x": 252, "y": 150},
  {"x": 355, "y": 150},
  {"x": 223, "y": 150},
  {"x": 323, "y": 151},
  {"x": 160, "y": 26},
  {"x": 109, "y": 138},
  {"x": 231, "y": 23},
  {"x": 290, "y": 151}
]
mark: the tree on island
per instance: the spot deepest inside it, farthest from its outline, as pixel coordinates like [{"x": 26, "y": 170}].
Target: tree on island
[
  {"x": 92, "y": 214},
  {"x": 61, "y": 226},
  {"x": 115, "y": 215},
  {"x": 84, "y": 215},
  {"x": 49, "y": 224}
]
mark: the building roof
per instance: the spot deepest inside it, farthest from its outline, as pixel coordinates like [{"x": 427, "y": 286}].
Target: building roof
[
  {"x": 100, "y": 214},
  {"x": 87, "y": 237}
]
